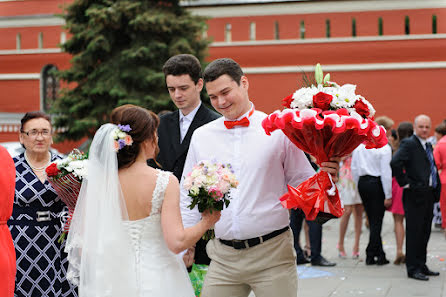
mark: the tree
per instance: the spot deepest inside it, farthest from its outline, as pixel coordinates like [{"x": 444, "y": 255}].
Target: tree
[{"x": 118, "y": 49}]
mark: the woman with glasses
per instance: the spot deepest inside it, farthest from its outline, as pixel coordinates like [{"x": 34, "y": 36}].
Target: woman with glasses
[{"x": 36, "y": 219}]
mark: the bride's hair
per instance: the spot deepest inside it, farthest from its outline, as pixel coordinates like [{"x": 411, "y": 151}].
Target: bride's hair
[{"x": 143, "y": 123}]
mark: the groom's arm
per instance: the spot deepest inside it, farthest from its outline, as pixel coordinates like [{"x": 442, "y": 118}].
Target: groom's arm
[
  {"x": 190, "y": 217},
  {"x": 297, "y": 168}
]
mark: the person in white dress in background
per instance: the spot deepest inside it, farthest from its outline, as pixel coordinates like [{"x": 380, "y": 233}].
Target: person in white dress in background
[
  {"x": 127, "y": 227},
  {"x": 348, "y": 192}
]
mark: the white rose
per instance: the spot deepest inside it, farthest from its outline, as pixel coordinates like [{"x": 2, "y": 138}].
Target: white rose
[{"x": 194, "y": 190}]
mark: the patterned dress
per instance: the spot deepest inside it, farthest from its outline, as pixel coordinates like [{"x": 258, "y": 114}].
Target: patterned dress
[{"x": 35, "y": 226}]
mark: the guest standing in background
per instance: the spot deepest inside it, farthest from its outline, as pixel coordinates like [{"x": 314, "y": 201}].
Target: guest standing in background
[
  {"x": 7, "y": 254},
  {"x": 440, "y": 160},
  {"x": 414, "y": 168},
  {"x": 373, "y": 175},
  {"x": 36, "y": 218},
  {"x": 184, "y": 82},
  {"x": 405, "y": 129},
  {"x": 348, "y": 192}
]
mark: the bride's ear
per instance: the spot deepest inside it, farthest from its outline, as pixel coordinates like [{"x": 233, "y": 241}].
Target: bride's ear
[{"x": 149, "y": 148}]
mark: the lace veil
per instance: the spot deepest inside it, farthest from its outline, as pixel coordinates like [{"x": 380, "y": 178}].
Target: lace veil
[{"x": 101, "y": 258}]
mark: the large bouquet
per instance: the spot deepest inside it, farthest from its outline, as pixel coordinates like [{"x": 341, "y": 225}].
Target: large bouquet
[
  {"x": 209, "y": 184},
  {"x": 66, "y": 175},
  {"x": 325, "y": 120}
]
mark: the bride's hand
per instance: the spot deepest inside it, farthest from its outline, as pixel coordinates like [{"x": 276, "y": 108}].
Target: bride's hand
[{"x": 211, "y": 218}]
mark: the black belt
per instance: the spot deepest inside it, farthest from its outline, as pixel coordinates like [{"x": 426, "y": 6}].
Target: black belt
[
  {"x": 247, "y": 243},
  {"x": 369, "y": 177},
  {"x": 34, "y": 215}
]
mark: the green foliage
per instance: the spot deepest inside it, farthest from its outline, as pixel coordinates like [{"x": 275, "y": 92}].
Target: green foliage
[
  {"x": 206, "y": 201},
  {"x": 118, "y": 49}
]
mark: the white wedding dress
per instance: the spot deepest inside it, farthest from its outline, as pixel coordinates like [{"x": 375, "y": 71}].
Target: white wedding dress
[
  {"x": 109, "y": 255},
  {"x": 159, "y": 272}
]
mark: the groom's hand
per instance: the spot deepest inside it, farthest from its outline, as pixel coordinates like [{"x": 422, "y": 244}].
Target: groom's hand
[
  {"x": 332, "y": 167},
  {"x": 188, "y": 257}
]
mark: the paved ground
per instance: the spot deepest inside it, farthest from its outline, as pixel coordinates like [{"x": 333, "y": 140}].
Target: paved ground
[{"x": 351, "y": 277}]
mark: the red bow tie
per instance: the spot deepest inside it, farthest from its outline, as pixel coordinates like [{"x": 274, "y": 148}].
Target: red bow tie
[{"x": 243, "y": 122}]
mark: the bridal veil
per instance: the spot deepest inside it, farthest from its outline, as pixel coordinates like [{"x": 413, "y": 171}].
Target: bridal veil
[{"x": 101, "y": 258}]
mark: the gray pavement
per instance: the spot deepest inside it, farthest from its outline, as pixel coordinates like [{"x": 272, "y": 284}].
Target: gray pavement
[{"x": 351, "y": 277}]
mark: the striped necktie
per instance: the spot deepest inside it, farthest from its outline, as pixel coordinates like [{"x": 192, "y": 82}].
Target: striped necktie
[{"x": 433, "y": 168}]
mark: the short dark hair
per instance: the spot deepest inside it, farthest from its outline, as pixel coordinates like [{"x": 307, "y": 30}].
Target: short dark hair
[
  {"x": 405, "y": 129},
  {"x": 183, "y": 64},
  {"x": 441, "y": 129},
  {"x": 33, "y": 115},
  {"x": 144, "y": 124},
  {"x": 223, "y": 66},
  {"x": 393, "y": 133}
]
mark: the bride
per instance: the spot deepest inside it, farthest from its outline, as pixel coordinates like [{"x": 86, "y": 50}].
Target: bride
[{"x": 127, "y": 227}]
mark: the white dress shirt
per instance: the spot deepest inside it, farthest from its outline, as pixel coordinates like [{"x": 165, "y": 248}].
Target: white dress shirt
[
  {"x": 423, "y": 143},
  {"x": 373, "y": 162},
  {"x": 263, "y": 165},
  {"x": 186, "y": 120}
]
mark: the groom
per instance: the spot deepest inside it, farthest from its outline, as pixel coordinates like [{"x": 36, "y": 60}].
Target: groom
[
  {"x": 253, "y": 248},
  {"x": 184, "y": 82}
]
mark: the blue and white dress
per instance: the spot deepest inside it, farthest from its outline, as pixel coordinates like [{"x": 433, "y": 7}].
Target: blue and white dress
[{"x": 35, "y": 227}]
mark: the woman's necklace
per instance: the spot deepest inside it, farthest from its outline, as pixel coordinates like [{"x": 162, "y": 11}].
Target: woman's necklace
[{"x": 38, "y": 168}]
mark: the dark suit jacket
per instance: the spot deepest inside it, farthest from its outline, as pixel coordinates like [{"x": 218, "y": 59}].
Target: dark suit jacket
[
  {"x": 172, "y": 153},
  {"x": 410, "y": 165}
]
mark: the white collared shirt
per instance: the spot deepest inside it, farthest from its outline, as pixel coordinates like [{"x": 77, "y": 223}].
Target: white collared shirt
[
  {"x": 373, "y": 162},
  {"x": 423, "y": 143},
  {"x": 186, "y": 120},
  {"x": 263, "y": 165}
]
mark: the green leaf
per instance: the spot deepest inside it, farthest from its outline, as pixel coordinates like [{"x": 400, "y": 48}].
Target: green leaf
[{"x": 318, "y": 74}]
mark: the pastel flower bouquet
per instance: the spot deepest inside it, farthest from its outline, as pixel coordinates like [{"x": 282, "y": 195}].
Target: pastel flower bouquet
[
  {"x": 209, "y": 185},
  {"x": 325, "y": 120},
  {"x": 66, "y": 175}
]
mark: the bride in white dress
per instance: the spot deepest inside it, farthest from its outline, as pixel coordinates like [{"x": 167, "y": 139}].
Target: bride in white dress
[{"x": 127, "y": 227}]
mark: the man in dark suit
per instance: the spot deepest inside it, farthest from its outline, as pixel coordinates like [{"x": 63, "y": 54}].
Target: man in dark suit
[
  {"x": 415, "y": 171},
  {"x": 184, "y": 82}
]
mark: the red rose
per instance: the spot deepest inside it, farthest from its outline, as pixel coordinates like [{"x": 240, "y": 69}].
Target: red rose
[
  {"x": 287, "y": 101},
  {"x": 361, "y": 108},
  {"x": 52, "y": 170},
  {"x": 322, "y": 100}
]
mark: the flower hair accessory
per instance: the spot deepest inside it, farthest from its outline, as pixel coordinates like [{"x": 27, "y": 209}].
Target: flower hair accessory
[{"x": 121, "y": 137}]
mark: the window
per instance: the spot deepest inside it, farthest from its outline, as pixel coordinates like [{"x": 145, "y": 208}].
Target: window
[
  {"x": 18, "y": 41},
  {"x": 302, "y": 29},
  {"x": 407, "y": 25},
  {"x": 354, "y": 27},
  {"x": 252, "y": 31},
  {"x": 380, "y": 26},
  {"x": 276, "y": 30},
  {"x": 327, "y": 28},
  {"x": 63, "y": 37},
  {"x": 228, "y": 34},
  {"x": 40, "y": 40},
  {"x": 434, "y": 24},
  {"x": 49, "y": 87}
]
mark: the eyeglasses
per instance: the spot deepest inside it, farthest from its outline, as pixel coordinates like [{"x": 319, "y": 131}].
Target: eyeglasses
[{"x": 35, "y": 132}]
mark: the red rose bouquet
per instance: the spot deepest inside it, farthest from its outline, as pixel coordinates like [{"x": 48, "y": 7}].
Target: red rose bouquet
[
  {"x": 65, "y": 175},
  {"x": 325, "y": 120}
]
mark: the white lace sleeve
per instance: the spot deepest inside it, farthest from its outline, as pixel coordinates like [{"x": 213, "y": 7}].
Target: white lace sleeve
[{"x": 158, "y": 193}]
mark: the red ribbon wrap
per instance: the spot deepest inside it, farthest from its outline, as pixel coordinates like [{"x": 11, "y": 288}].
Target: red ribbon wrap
[{"x": 322, "y": 134}]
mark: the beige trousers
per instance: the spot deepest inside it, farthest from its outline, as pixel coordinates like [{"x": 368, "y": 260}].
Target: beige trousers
[{"x": 269, "y": 269}]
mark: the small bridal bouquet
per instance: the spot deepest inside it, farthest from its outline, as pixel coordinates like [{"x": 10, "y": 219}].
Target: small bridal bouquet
[
  {"x": 209, "y": 184},
  {"x": 325, "y": 120},
  {"x": 66, "y": 175}
]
